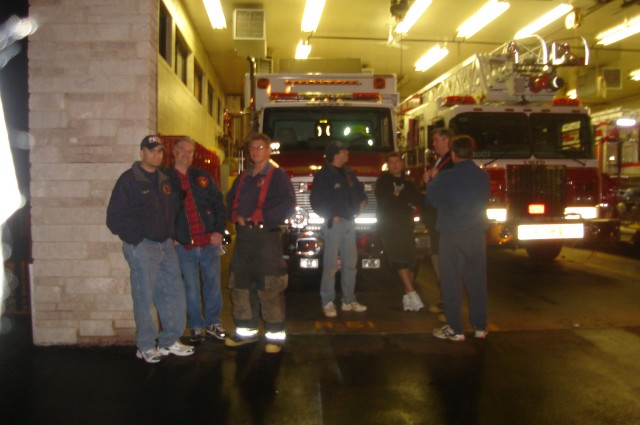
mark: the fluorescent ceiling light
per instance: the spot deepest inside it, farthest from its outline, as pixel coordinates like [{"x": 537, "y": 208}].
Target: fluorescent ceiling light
[
  {"x": 303, "y": 49},
  {"x": 549, "y": 17},
  {"x": 635, "y": 74},
  {"x": 629, "y": 28},
  {"x": 216, "y": 15},
  {"x": 625, "y": 122},
  {"x": 483, "y": 17},
  {"x": 432, "y": 57},
  {"x": 312, "y": 14},
  {"x": 413, "y": 14}
]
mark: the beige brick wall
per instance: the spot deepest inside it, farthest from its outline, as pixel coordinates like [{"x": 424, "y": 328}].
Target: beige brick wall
[{"x": 92, "y": 83}]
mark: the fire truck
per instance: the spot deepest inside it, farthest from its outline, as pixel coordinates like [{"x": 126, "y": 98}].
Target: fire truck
[
  {"x": 302, "y": 113},
  {"x": 536, "y": 147},
  {"x": 617, "y": 133}
]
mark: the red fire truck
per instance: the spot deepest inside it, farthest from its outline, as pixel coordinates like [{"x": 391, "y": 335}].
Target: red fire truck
[
  {"x": 302, "y": 113},
  {"x": 536, "y": 147},
  {"x": 617, "y": 133}
]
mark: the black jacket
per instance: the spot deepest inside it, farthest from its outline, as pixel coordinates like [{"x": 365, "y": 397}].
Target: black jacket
[
  {"x": 336, "y": 192},
  {"x": 138, "y": 209},
  {"x": 208, "y": 200}
]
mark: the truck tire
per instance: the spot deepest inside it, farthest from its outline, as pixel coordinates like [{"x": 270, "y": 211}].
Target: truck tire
[{"x": 544, "y": 251}]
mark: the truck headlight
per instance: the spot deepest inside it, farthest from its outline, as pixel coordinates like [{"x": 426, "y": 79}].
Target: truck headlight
[{"x": 299, "y": 218}]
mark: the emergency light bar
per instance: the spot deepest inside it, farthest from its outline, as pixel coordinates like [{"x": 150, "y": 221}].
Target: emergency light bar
[{"x": 324, "y": 97}]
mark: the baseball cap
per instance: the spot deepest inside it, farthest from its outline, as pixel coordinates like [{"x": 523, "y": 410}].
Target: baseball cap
[
  {"x": 151, "y": 142},
  {"x": 333, "y": 148}
]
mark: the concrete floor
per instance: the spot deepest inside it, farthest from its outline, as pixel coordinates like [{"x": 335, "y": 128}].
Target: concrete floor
[{"x": 380, "y": 367}]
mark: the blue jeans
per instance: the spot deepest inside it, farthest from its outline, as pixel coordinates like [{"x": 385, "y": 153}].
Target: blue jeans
[
  {"x": 156, "y": 281},
  {"x": 340, "y": 239},
  {"x": 463, "y": 261},
  {"x": 193, "y": 262}
]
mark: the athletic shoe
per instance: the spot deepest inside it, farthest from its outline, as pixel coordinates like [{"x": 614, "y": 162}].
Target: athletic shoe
[
  {"x": 354, "y": 306},
  {"x": 446, "y": 332},
  {"x": 197, "y": 335},
  {"x": 481, "y": 334},
  {"x": 412, "y": 301},
  {"x": 236, "y": 340},
  {"x": 330, "y": 309},
  {"x": 177, "y": 349},
  {"x": 150, "y": 356},
  {"x": 217, "y": 331}
]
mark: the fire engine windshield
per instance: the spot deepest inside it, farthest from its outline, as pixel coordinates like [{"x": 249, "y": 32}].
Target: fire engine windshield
[
  {"x": 518, "y": 135},
  {"x": 561, "y": 135},
  {"x": 361, "y": 129},
  {"x": 503, "y": 135}
]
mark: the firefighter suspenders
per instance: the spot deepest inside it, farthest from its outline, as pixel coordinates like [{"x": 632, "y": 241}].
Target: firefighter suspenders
[{"x": 256, "y": 217}]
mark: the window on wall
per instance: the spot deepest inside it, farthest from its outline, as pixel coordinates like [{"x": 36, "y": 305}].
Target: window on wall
[
  {"x": 211, "y": 98},
  {"x": 197, "y": 81},
  {"x": 182, "y": 55},
  {"x": 164, "y": 42}
]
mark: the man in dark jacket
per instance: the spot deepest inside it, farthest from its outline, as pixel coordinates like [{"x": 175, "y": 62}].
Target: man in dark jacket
[
  {"x": 461, "y": 196},
  {"x": 199, "y": 229},
  {"x": 259, "y": 201},
  {"x": 338, "y": 196},
  {"x": 142, "y": 213}
]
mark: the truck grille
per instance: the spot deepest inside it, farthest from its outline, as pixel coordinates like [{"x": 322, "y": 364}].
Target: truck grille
[{"x": 540, "y": 184}]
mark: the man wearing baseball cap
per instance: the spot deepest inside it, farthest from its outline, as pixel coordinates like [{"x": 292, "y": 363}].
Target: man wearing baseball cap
[
  {"x": 141, "y": 213},
  {"x": 338, "y": 196}
]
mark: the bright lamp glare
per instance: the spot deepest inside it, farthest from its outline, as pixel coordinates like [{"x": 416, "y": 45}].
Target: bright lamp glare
[
  {"x": 413, "y": 14},
  {"x": 635, "y": 74},
  {"x": 629, "y": 28},
  {"x": 625, "y": 122},
  {"x": 432, "y": 57},
  {"x": 303, "y": 50},
  {"x": 483, "y": 17},
  {"x": 311, "y": 16},
  {"x": 215, "y": 13},
  {"x": 549, "y": 17}
]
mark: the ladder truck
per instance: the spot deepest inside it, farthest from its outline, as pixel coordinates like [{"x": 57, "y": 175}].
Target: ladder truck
[{"x": 536, "y": 146}]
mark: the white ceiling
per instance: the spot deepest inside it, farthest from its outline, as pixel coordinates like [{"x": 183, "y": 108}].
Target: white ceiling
[{"x": 359, "y": 29}]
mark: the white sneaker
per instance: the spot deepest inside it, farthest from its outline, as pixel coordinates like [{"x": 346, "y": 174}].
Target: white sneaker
[
  {"x": 151, "y": 355},
  {"x": 330, "y": 309},
  {"x": 481, "y": 334},
  {"x": 354, "y": 306},
  {"x": 417, "y": 302},
  {"x": 178, "y": 349},
  {"x": 446, "y": 332},
  {"x": 407, "y": 303}
]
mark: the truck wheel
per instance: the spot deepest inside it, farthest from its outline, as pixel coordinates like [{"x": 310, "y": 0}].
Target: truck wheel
[{"x": 544, "y": 251}]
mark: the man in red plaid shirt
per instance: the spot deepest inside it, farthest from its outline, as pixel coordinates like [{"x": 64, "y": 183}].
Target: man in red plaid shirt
[{"x": 200, "y": 226}]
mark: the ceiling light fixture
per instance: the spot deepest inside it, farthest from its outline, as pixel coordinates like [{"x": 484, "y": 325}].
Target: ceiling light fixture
[
  {"x": 413, "y": 14},
  {"x": 635, "y": 74},
  {"x": 546, "y": 19},
  {"x": 216, "y": 15},
  {"x": 610, "y": 36},
  {"x": 432, "y": 57},
  {"x": 483, "y": 17},
  {"x": 303, "y": 50},
  {"x": 311, "y": 16}
]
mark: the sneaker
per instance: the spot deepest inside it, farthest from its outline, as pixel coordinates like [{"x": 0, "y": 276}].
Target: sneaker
[
  {"x": 354, "y": 306},
  {"x": 178, "y": 349},
  {"x": 417, "y": 302},
  {"x": 272, "y": 348},
  {"x": 436, "y": 308},
  {"x": 197, "y": 335},
  {"x": 481, "y": 334},
  {"x": 217, "y": 331},
  {"x": 150, "y": 356},
  {"x": 446, "y": 332},
  {"x": 330, "y": 309},
  {"x": 236, "y": 340}
]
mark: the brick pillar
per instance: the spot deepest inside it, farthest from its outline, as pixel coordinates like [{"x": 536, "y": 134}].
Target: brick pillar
[{"x": 92, "y": 85}]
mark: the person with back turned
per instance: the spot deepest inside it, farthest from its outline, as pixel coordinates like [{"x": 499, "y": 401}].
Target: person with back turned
[{"x": 461, "y": 196}]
